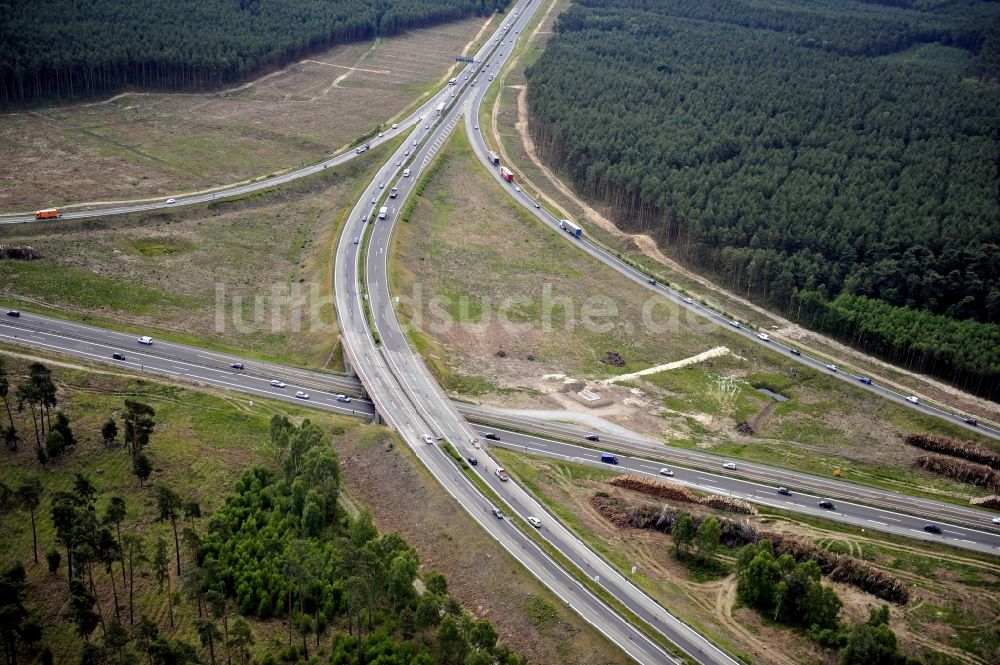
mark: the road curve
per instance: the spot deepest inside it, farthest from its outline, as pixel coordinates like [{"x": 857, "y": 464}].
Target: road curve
[
  {"x": 878, "y": 509},
  {"x": 702, "y": 311},
  {"x": 415, "y": 406}
]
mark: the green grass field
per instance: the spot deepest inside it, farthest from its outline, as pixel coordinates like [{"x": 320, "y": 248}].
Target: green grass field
[
  {"x": 468, "y": 254},
  {"x": 954, "y": 594},
  {"x": 250, "y": 276}
]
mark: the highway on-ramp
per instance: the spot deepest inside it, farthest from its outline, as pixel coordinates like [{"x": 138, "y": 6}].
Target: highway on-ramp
[
  {"x": 701, "y": 311},
  {"x": 406, "y": 395},
  {"x": 865, "y": 506},
  {"x": 180, "y": 200}
]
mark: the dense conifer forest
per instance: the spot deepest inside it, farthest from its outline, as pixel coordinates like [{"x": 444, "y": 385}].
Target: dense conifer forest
[
  {"x": 57, "y": 49},
  {"x": 837, "y": 160}
]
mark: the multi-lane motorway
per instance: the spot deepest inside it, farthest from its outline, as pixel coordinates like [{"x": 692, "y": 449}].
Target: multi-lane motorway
[
  {"x": 424, "y": 115},
  {"x": 255, "y": 378},
  {"x": 861, "y": 505},
  {"x": 404, "y": 393},
  {"x": 408, "y": 398},
  {"x": 698, "y": 309}
]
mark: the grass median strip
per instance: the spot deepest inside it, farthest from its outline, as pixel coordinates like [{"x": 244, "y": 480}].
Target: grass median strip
[{"x": 564, "y": 563}]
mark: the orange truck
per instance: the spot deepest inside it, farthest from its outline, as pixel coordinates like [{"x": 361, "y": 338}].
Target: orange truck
[{"x": 48, "y": 213}]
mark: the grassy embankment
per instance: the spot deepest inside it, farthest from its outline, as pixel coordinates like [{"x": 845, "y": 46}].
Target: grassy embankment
[
  {"x": 251, "y": 276},
  {"x": 954, "y": 594},
  {"x": 468, "y": 245},
  {"x": 203, "y": 441}
]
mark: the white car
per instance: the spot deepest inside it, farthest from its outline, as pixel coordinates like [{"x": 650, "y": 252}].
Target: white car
[
  {"x": 477, "y": 126},
  {"x": 169, "y": 201},
  {"x": 381, "y": 134},
  {"x": 764, "y": 336},
  {"x": 735, "y": 324},
  {"x": 996, "y": 520},
  {"x": 731, "y": 466},
  {"x": 145, "y": 339},
  {"x": 535, "y": 522},
  {"x": 343, "y": 398},
  {"x": 832, "y": 368},
  {"x": 912, "y": 399},
  {"x": 277, "y": 384},
  {"x": 301, "y": 395},
  {"x": 688, "y": 301},
  {"x": 517, "y": 188},
  {"x": 428, "y": 439},
  {"x": 395, "y": 125},
  {"x": 666, "y": 472}
]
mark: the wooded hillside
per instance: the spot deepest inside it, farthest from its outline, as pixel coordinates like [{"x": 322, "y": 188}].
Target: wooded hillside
[
  {"x": 66, "y": 48},
  {"x": 826, "y": 158}
]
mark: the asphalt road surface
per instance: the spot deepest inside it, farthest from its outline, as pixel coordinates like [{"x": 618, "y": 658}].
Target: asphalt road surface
[
  {"x": 403, "y": 391},
  {"x": 861, "y": 505},
  {"x": 405, "y": 394},
  {"x": 181, "y": 200},
  {"x": 701, "y": 311}
]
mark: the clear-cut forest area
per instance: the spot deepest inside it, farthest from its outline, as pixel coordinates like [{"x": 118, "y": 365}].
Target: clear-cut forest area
[{"x": 60, "y": 49}]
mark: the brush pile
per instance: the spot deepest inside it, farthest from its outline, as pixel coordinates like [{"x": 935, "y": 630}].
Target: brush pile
[{"x": 946, "y": 446}]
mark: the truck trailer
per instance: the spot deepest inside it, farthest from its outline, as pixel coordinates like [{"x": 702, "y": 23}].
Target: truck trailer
[
  {"x": 48, "y": 213},
  {"x": 506, "y": 174},
  {"x": 383, "y": 212},
  {"x": 570, "y": 228},
  {"x": 494, "y": 159}
]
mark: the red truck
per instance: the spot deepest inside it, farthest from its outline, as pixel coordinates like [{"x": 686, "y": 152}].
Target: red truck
[
  {"x": 48, "y": 213},
  {"x": 506, "y": 174}
]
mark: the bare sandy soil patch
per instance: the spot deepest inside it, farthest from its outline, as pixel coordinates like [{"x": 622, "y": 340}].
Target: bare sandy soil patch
[
  {"x": 154, "y": 144},
  {"x": 507, "y": 124},
  {"x": 495, "y": 298}
]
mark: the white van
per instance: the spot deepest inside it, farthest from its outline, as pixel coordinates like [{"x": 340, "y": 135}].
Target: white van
[{"x": 406, "y": 173}]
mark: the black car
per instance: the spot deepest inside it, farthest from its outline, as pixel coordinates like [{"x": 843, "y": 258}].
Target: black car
[
  {"x": 118, "y": 356},
  {"x": 795, "y": 352},
  {"x": 651, "y": 281},
  {"x": 472, "y": 460},
  {"x": 236, "y": 365},
  {"x": 971, "y": 421},
  {"x": 13, "y": 312},
  {"x": 593, "y": 437},
  {"x": 492, "y": 436},
  {"x": 932, "y": 528},
  {"x": 784, "y": 491},
  {"x": 827, "y": 504}
]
